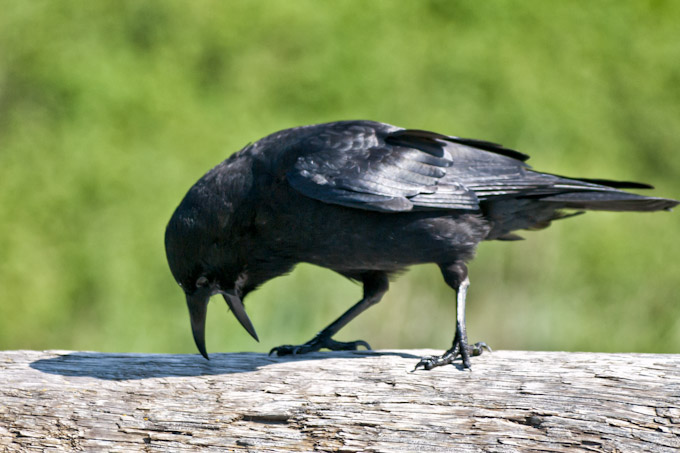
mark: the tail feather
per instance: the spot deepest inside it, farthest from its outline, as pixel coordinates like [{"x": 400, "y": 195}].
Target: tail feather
[
  {"x": 616, "y": 184},
  {"x": 553, "y": 197},
  {"x": 611, "y": 200}
]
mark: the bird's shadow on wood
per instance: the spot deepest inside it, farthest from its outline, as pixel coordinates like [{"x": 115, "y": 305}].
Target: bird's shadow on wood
[{"x": 124, "y": 367}]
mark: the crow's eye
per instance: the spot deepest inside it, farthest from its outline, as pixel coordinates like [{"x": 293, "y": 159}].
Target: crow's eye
[{"x": 202, "y": 282}]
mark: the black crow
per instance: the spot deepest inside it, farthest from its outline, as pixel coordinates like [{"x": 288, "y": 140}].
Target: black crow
[{"x": 365, "y": 199}]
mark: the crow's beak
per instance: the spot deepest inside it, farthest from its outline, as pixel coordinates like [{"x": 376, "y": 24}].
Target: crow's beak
[
  {"x": 198, "y": 307},
  {"x": 236, "y": 305}
]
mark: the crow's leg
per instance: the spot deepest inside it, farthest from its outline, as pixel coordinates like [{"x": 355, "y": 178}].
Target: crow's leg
[
  {"x": 375, "y": 286},
  {"x": 456, "y": 276}
]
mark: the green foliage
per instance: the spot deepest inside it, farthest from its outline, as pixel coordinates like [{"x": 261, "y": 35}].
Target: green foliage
[{"x": 109, "y": 111}]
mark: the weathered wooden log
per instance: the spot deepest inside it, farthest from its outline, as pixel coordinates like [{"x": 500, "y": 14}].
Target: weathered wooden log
[{"x": 330, "y": 401}]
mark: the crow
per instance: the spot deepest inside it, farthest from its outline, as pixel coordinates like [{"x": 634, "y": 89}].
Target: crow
[{"x": 366, "y": 200}]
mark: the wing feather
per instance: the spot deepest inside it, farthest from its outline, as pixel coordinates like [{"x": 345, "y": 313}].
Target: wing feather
[
  {"x": 378, "y": 167},
  {"x": 378, "y": 174}
]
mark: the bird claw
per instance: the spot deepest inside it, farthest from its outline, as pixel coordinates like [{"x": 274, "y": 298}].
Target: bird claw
[
  {"x": 289, "y": 349},
  {"x": 317, "y": 344},
  {"x": 429, "y": 362},
  {"x": 478, "y": 348}
]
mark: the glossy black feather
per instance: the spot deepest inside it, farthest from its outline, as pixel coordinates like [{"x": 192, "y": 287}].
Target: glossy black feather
[
  {"x": 383, "y": 168},
  {"x": 366, "y": 200}
]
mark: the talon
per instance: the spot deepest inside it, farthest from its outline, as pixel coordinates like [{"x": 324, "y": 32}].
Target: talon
[
  {"x": 452, "y": 354},
  {"x": 354, "y": 345},
  {"x": 282, "y": 350},
  {"x": 478, "y": 348},
  {"x": 426, "y": 363},
  {"x": 319, "y": 343}
]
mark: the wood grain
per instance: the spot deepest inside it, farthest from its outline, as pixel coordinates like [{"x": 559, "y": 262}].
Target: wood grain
[{"x": 339, "y": 401}]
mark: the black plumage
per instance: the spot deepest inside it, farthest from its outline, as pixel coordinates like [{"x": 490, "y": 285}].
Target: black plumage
[{"x": 366, "y": 200}]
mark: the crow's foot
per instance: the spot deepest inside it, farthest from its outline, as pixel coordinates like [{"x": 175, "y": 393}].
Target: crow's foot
[
  {"x": 449, "y": 356},
  {"x": 316, "y": 344}
]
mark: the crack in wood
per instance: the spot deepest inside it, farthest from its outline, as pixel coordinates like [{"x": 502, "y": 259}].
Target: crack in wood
[{"x": 271, "y": 419}]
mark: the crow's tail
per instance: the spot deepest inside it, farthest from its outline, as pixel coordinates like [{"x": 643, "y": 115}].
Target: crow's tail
[{"x": 603, "y": 195}]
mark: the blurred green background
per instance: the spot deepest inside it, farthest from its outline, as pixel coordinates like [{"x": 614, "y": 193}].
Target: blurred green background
[{"x": 110, "y": 111}]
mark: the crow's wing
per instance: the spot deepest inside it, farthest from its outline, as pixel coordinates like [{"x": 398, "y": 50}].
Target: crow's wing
[
  {"x": 378, "y": 167},
  {"x": 401, "y": 170}
]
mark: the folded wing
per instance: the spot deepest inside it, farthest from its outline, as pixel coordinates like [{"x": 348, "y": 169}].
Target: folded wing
[{"x": 377, "y": 167}]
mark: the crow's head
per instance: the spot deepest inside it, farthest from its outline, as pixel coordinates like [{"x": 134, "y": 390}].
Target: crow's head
[{"x": 202, "y": 260}]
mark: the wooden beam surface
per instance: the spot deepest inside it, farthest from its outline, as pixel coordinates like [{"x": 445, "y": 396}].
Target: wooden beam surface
[{"x": 339, "y": 401}]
